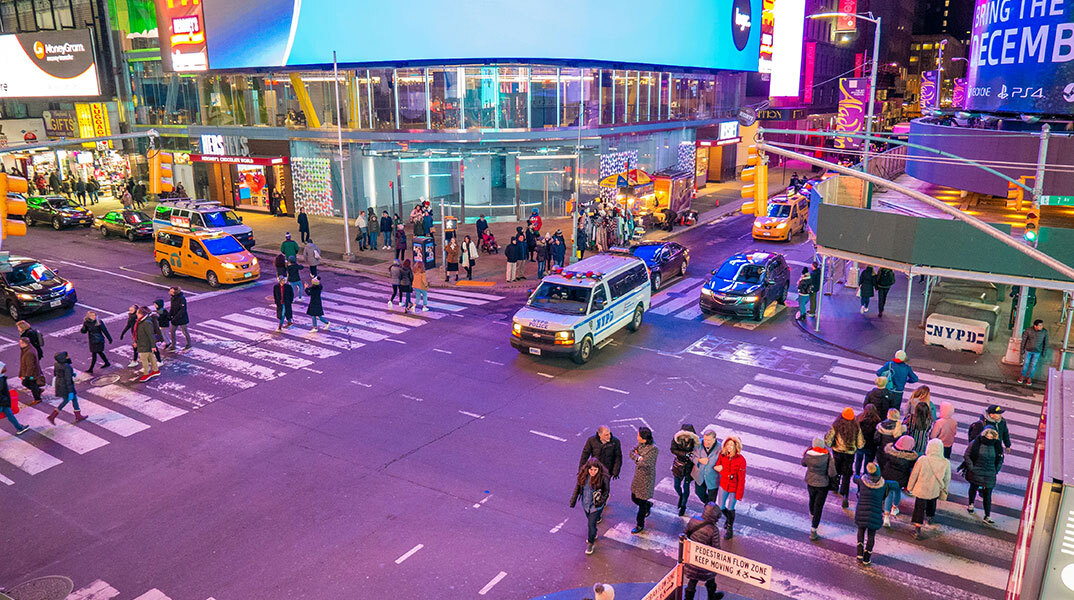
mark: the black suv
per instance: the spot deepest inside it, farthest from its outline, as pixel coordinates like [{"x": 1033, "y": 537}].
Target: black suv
[
  {"x": 31, "y": 287},
  {"x": 746, "y": 284},
  {"x": 59, "y": 211},
  {"x": 130, "y": 224}
]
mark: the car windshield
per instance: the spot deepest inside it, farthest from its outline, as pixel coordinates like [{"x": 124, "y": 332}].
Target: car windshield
[
  {"x": 28, "y": 273},
  {"x": 648, "y": 252},
  {"x": 781, "y": 211},
  {"x": 61, "y": 203},
  {"x": 220, "y": 218},
  {"x": 560, "y": 298},
  {"x": 222, "y": 245},
  {"x": 136, "y": 218},
  {"x": 740, "y": 271}
]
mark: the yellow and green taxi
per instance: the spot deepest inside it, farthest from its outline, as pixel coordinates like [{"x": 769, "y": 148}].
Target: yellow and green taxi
[{"x": 214, "y": 256}]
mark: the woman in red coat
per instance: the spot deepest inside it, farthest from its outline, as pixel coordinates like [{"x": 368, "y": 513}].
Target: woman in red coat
[{"x": 732, "y": 469}]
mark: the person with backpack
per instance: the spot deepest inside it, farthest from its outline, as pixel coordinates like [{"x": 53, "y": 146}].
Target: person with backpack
[
  {"x": 95, "y": 329},
  {"x": 683, "y": 445},
  {"x": 5, "y": 403},
  {"x": 289, "y": 247},
  {"x": 819, "y": 477},
  {"x": 869, "y": 510},
  {"x": 993, "y": 416},
  {"x": 983, "y": 460},
  {"x": 63, "y": 378},
  {"x": 731, "y": 466},
  {"x": 881, "y": 398},
  {"x": 929, "y": 482},
  {"x": 887, "y": 432},
  {"x": 898, "y": 374},
  {"x": 406, "y": 283},
  {"x": 312, "y": 254},
  {"x": 592, "y": 488},
  {"x": 844, "y": 438},
  {"x": 30, "y": 372},
  {"x": 315, "y": 309},
  {"x": 805, "y": 288},
  {"x": 885, "y": 278},
  {"x": 705, "y": 530},
  {"x": 899, "y": 459},
  {"x": 33, "y": 336}
]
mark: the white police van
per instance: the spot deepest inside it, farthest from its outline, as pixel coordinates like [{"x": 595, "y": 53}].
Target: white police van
[
  {"x": 577, "y": 309},
  {"x": 202, "y": 214}
]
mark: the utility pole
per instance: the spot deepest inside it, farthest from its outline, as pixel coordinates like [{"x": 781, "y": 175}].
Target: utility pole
[{"x": 342, "y": 178}]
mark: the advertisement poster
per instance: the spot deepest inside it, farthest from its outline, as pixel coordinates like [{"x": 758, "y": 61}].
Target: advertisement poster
[
  {"x": 21, "y": 131},
  {"x": 48, "y": 64},
  {"x": 1022, "y": 57},
  {"x": 928, "y": 90},
  {"x": 181, "y": 27},
  {"x": 810, "y": 66},
  {"x": 853, "y": 96},
  {"x": 60, "y": 124},
  {"x": 848, "y": 22},
  {"x": 958, "y": 95}
]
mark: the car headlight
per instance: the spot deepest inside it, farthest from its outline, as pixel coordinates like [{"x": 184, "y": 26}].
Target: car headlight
[
  {"x": 781, "y": 226},
  {"x": 230, "y": 266},
  {"x": 70, "y": 287},
  {"x": 26, "y": 296},
  {"x": 564, "y": 337},
  {"x": 516, "y": 329},
  {"x": 706, "y": 291},
  {"x": 751, "y": 298},
  {"x": 253, "y": 262}
]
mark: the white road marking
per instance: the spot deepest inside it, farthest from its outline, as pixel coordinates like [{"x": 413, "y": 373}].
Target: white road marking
[
  {"x": 232, "y": 363},
  {"x": 68, "y": 435},
  {"x": 114, "y": 274},
  {"x": 267, "y": 339},
  {"x": 414, "y": 398},
  {"x": 136, "y": 401},
  {"x": 611, "y": 389},
  {"x": 313, "y": 370},
  {"x": 408, "y": 554},
  {"x": 470, "y": 414},
  {"x": 365, "y": 385},
  {"x": 25, "y": 455},
  {"x": 468, "y": 294},
  {"x": 394, "y": 341},
  {"x": 378, "y": 313},
  {"x": 6, "y": 481},
  {"x": 664, "y": 295},
  {"x": 483, "y": 500},
  {"x": 376, "y": 301},
  {"x": 546, "y": 375},
  {"x": 373, "y": 290},
  {"x": 100, "y": 310},
  {"x": 107, "y": 418},
  {"x": 153, "y": 594},
  {"x": 772, "y": 339},
  {"x": 548, "y": 435},
  {"x": 558, "y": 526},
  {"x": 617, "y": 406},
  {"x": 335, "y": 338},
  {"x": 98, "y": 590},
  {"x": 492, "y": 362},
  {"x": 488, "y": 586},
  {"x": 441, "y": 351}
]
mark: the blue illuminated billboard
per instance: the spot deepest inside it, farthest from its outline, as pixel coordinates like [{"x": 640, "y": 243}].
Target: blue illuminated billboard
[
  {"x": 1022, "y": 57},
  {"x": 708, "y": 34}
]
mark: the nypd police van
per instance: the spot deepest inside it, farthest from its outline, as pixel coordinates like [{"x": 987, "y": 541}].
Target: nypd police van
[{"x": 576, "y": 310}]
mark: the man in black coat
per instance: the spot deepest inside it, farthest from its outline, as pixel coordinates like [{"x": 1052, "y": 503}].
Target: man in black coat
[
  {"x": 881, "y": 398},
  {"x": 283, "y": 295},
  {"x": 178, "y": 316},
  {"x": 604, "y": 447},
  {"x": 303, "y": 225},
  {"x": 386, "y": 230}
]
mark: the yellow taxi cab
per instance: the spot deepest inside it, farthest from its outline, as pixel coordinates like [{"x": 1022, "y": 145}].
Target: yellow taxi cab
[
  {"x": 786, "y": 216},
  {"x": 214, "y": 256}
]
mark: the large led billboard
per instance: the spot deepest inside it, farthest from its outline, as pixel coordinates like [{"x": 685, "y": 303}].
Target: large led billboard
[
  {"x": 48, "y": 64},
  {"x": 710, "y": 34},
  {"x": 1022, "y": 57}
]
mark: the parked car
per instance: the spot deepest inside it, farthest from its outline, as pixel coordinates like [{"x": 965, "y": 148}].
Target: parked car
[
  {"x": 746, "y": 284},
  {"x": 61, "y": 212},
  {"x": 131, "y": 224},
  {"x": 664, "y": 259},
  {"x": 31, "y": 287}
]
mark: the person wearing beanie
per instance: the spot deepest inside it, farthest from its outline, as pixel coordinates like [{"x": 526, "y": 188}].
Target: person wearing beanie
[
  {"x": 945, "y": 428},
  {"x": 705, "y": 530},
  {"x": 887, "y": 432},
  {"x": 899, "y": 459},
  {"x": 731, "y": 466},
  {"x": 898, "y": 373},
  {"x": 993, "y": 416},
  {"x": 929, "y": 482},
  {"x": 869, "y": 510},
  {"x": 644, "y": 482},
  {"x": 844, "y": 438},
  {"x": 682, "y": 446},
  {"x": 5, "y": 403},
  {"x": 982, "y": 463},
  {"x": 881, "y": 397},
  {"x": 603, "y": 591},
  {"x": 820, "y": 471},
  {"x": 289, "y": 247},
  {"x": 867, "y": 422}
]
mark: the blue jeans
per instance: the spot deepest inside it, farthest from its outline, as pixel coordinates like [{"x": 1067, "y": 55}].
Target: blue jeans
[
  {"x": 726, "y": 500},
  {"x": 421, "y": 297},
  {"x": 892, "y": 495},
  {"x": 1029, "y": 366},
  {"x": 373, "y": 238},
  {"x": 11, "y": 417},
  {"x": 682, "y": 488},
  {"x": 298, "y": 289},
  {"x": 593, "y": 516},
  {"x": 321, "y": 319},
  {"x": 540, "y": 268},
  {"x": 70, "y": 398}
]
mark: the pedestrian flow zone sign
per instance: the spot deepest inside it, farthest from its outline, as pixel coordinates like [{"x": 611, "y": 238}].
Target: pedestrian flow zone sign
[
  {"x": 666, "y": 586},
  {"x": 727, "y": 564}
]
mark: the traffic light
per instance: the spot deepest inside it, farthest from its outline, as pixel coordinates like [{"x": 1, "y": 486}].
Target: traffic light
[
  {"x": 1032, "y": 228},
  {"x": 1014, "y": 196},
  {"x": 755, "y": 174},
  {"x": 12, "y": 206},
  {"x": 160, "y": 171}
]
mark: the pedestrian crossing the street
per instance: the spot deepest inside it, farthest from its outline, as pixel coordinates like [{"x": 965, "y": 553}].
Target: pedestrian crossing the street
[
  {"x": 230, "y": 353},
  {"x": 776, "y": 416},
  {"x": 681, "y": 301}
]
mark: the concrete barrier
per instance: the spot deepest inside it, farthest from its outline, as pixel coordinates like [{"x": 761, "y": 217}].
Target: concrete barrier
[
  {"x": 956, "y": 333},
  {"x": 966, "y": 290},
  {"x": 978, "y": 311}
]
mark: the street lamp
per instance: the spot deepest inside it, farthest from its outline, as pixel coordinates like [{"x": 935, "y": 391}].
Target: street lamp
[{"x": 872, "y": 85}]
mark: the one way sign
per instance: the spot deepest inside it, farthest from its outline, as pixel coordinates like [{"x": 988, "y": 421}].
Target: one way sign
[{"x": 727, "y": 564}]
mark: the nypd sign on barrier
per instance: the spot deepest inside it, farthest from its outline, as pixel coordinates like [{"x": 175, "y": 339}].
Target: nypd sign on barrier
[
  {"x": 727, "y": 564},
  {"x": 666, "y": 586},
  {"x": 956, "y": 333}
]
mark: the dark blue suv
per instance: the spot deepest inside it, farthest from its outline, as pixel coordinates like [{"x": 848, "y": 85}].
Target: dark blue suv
[{"x": 746, "y": 284}]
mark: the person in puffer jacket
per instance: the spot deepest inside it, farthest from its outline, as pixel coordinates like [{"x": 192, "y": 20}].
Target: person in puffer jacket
[
  {"x": 899, "y": 459},
  {"x": 928, "y": 483},
  {"x": 705, "y": 530},
  {"x": 945, "y": 428},
  {"x": 867, "y": 514},
  {"x": 887, "y": 432},
  {"x": 984, "y": 459},
  {"x": 682, "y": 446},
  {"x": 844, "y": 438},
  {"x": 732, "y": 469},
  {"x": 820, "y": 470}
]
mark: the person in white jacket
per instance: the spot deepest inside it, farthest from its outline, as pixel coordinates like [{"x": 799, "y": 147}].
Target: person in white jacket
[
  {"x": 468, "y": 256},
  {"x": 929, "y": 481}
]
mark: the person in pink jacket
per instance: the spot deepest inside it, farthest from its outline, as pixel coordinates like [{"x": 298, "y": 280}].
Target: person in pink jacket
[{"x": 945, "y": 428}]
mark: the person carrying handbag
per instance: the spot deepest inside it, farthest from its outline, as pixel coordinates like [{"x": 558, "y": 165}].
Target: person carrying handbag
[
  {"x": 929, "y": 482},
  {"x": 30, "y": 370}
]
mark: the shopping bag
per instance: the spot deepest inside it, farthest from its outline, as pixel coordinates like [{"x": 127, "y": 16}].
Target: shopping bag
[{"x": 14, "y": 402}]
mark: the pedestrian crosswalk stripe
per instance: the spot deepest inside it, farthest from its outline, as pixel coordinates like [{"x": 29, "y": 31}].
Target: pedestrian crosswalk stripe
[
  {"x": 6, "y": 481},
  {"x": 217, "y": 379},
  {"x": 803, "y": 386},
  {"x": 136, "y": 401},
  {"x": 25, "y": 455},
  {"x": 359, "y": 322},
  {"x": 380, "y": 289},
  {"x": 67, "y": 435},
  {"x": 379, "y": 304},
  {"x": 254, "y": 351},
  {"x": 664, "y": 295},
  {"x": 830, "y": 407},
  {"x": 153, "y": 594},
  {"x": 675, "y": 304},
  {"x": 468, "y": 294},
  {"x": 843, "y": 360},
  {"x": 107, "y": 418},
  {"x": 98, "y": 590},
  {"x": 263, "y": 338},
  {"x": 337, "y": 335},
  {"x": 383, "y": 295},
  {"x": 389, "y": 316},
  {"x": 231, "y": 363}
]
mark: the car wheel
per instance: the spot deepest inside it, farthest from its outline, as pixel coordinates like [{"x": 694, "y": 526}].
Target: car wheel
[
  {"x": 57, "y": 224},
  {"x": 757, "y": 312},
  {"x": 166, "y": 268},
  {"x": 635, "y": 323},
  {"x": 584, "y": 352},
  {"x": 104, "y": 231},
  {"x": 131, "y": 236},
  {"x": 656, "y": 281},
  {"x": 682, "y": 269},
  {"x": 87, "y": 225},
  {"x": 14, "y": 311},
  {"x": 212, "y": 279}
]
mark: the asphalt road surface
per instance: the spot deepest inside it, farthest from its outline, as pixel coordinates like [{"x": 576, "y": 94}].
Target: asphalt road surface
[{"x": 420, "y": 455}]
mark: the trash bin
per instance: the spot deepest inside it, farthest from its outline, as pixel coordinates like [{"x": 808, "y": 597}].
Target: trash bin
[
  {"x": 425, "y": 251},
  {"x": 451, "y": 226}
]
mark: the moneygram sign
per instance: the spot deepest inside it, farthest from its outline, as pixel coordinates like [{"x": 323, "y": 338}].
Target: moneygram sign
[
  {"x": 1022, "y": 57},
  {"x": 48, "y": 64}
]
